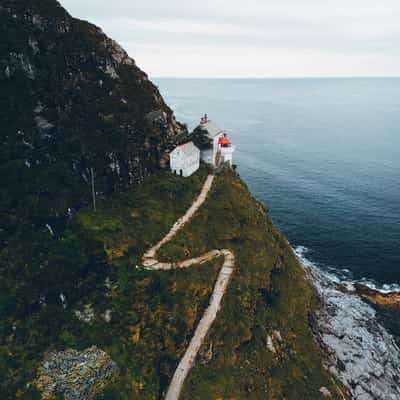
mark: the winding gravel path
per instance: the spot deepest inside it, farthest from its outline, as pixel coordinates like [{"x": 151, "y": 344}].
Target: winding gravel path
[{"x": 150, "y": 262}]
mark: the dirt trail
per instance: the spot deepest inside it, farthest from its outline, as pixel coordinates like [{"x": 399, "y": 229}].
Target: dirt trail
[{"x": 150, "y": 262}]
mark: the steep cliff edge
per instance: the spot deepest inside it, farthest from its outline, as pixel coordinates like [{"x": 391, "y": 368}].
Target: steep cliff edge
[
  {"x": 80, "y": 316},
  {"x": 71, "y": 101},
  {"x": 72, "y": 105}
]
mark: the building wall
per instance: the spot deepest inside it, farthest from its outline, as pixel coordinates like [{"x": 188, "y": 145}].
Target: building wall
[
  {"x": 209, "y": 156},
  {"x": 215, "y": 146},
  {"x": 177, "y": 160},
  {"x": 187, "y": 163},
  {"x": 227, "y": 154},
  {"x": 191, "y": 168}
]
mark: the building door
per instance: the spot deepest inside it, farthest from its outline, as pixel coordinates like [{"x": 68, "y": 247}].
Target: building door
[{"x": 180, "y": 172}]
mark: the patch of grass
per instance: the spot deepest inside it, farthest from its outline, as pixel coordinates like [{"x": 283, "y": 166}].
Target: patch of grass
[
  {"x": 128, "y": 223},
  {"x": 268, "y": 293}
]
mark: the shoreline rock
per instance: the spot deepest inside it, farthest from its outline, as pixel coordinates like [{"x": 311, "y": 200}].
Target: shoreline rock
[
  {"x": 391, "y": 299},
  {"x": 363, "y": 355}
]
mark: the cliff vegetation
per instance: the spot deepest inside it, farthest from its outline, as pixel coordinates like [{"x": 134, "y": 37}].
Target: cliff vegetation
[{"x": 75, "y": 108}]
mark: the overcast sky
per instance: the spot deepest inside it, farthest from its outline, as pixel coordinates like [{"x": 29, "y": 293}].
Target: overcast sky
[{"x": 252, "y": 38}]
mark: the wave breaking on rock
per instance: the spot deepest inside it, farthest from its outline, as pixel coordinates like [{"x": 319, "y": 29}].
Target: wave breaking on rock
[{"x": 362, "y": 353}]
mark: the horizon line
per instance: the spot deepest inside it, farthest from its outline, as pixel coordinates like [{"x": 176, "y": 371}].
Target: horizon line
[{"x": 277, "y": 77}]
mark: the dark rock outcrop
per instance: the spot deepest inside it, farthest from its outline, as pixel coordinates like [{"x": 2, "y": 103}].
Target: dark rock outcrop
[
  {"x": 391, "y": 299},
  {"x": 73, "y": 109},
  {"x": 76, "y": 375},
  {"x": 72, "y": 99}
]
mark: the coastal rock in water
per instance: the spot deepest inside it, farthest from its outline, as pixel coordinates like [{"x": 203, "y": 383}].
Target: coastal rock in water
[
  {"x": 76, "y": 375},
  {"x": 364, "y": 353},
  {"x": 391, "y": 299}
]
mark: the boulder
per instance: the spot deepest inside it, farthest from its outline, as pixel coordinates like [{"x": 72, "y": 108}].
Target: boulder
[{"x": 75, "y": 374}]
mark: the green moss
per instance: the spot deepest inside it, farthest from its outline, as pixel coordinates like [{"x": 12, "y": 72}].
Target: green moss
[
  {"x": 154, "y": 313},
  {"x": 268, "y": 292},
  {"x": 98, "y": 122}
]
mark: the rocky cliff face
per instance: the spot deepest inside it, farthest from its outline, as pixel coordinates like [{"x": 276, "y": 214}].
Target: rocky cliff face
[
  {"x": 72, "y": 100},
  {"x": 362, "y": 353},
  {"x": 72, "y": 104}
]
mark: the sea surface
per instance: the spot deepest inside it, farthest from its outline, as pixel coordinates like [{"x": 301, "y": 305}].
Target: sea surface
[{"x": 323, "y": 154}]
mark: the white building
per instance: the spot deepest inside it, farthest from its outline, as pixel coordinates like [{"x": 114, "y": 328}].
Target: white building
[
  {"x": 185, "y": 159},
  {"x": 225, "y": 151},
  {"x": 222, "y": 150}
]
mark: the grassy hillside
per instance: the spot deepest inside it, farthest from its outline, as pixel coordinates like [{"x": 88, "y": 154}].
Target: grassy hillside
[
  {"x": 154, "y": 313},
  {"x": 73, "y": 103},
  {"x": 268, "y": 293}
]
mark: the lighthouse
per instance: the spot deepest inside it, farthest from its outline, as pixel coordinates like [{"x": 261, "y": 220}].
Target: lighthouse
[
  {"x": 221, "y": 149},
  {"x": 225, "y": 151}
]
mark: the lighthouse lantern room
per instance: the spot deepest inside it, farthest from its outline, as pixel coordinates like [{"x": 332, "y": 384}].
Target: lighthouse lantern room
[{"x": 225, "y": 150}]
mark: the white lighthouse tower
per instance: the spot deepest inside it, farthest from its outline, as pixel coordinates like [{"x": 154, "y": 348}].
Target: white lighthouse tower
[{"x": 225, "y": 151}]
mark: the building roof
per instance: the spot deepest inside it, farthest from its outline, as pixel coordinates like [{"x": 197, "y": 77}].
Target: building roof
[
  {"x": 187, "y": 148},
  {"x": 211, "y": 129},
  {"x": 224, "y": 140}
]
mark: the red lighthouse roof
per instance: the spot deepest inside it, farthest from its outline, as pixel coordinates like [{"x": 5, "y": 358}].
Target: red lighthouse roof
[{"x": 224, "y": 140}]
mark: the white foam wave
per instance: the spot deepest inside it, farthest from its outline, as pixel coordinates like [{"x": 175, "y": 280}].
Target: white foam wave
[
  {"x": 344, "y": 276},
  {"x": 361, "y": 352}
]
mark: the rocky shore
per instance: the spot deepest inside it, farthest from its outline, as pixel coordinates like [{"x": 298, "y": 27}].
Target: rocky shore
[
  {"x": 391, "y": 299},
  {"x": 363, "y": 355}
]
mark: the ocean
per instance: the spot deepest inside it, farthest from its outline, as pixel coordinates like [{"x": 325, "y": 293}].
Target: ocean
[{"x": 323, "y": 154}]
